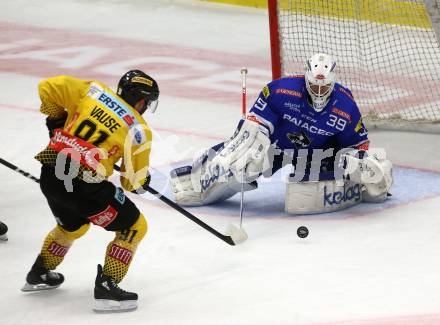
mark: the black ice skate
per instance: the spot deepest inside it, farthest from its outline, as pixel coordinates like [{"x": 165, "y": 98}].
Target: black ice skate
[
  {"x": 3, "y": 231},
  {"x": 40, "y": 278},
  {"x": 109, "y": 297}
]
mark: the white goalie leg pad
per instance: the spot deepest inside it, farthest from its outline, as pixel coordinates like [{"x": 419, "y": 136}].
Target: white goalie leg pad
[
  {"x": 321, "y": 196},
  {"x": 183, "y": 188},
  {"x": 216, "y": 176},
  {"x": 374, "y": 173},
  {"x": 204, "y": 185}
]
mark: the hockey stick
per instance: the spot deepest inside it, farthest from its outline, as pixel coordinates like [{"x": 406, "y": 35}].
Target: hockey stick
[
  {"x": 18, "y": 170},
  {"x": 243, "y": 112},
  {"x": 237, "y": 236}
]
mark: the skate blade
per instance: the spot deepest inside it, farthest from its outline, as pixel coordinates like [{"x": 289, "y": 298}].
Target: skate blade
[
  {"x": 3, "y": 238},
  {"x": 37, "y": 287},
  {"x": 113, "y": 306}
]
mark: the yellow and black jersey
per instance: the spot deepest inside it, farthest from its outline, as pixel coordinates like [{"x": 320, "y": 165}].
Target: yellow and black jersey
[{"x": 97, "y": 119}]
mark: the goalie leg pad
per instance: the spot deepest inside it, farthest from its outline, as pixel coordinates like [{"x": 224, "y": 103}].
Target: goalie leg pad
[
  {"x": 321, "y": 196},
  {"x": 182, "y": 186},
  {"x": 191, "y": 188},
  {"x": 217, "y": 174}
]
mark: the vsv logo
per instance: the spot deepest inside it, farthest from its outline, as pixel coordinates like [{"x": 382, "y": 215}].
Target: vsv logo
[
  {"x": 347, "y": 194},
  {"x": 213, "y": 175}
]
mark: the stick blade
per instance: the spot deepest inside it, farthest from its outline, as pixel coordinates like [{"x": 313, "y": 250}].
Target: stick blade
[{"x": 238, "y": 235}]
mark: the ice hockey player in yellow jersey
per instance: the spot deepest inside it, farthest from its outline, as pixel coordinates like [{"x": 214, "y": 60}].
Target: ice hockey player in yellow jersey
[{"x": 91, "y": 128}]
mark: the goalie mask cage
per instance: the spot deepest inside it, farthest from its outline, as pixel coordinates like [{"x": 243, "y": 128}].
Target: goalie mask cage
[{"x": 386, "y": 51}]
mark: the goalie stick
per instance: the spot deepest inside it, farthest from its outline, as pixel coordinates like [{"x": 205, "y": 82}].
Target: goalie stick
[
  {"x": 237, "y": 236},
  {"x": 243, "y": 113}
]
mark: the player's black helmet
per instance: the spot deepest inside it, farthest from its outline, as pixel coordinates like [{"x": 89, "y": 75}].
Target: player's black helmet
[{"x": 136, "y": 85}]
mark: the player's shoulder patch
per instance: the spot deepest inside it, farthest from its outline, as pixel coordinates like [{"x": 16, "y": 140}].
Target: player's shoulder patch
[
  {"x": 266, "y": 91},
  {"x": 139, "y": 133},
  {"x": 95, "y": 90},
  {"x": 360, "y": 128},
  {"x": 359, "y": 125}
]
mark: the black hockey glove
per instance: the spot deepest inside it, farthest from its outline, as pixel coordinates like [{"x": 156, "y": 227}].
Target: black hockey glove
[
  {"x": 143, "y": 188},
  {"x": 55, "y": 124}
]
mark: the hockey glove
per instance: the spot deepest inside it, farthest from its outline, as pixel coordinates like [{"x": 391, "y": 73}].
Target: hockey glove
[
  {"x": 53, "y": 124},
  {"x": 245, "y": 150},
  {"x": 372, "y": 170}
]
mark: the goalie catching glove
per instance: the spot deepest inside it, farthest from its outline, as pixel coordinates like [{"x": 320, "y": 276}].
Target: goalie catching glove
[
  {"x": 216, "y": 175},
  {"x": 370, "y": 170}
]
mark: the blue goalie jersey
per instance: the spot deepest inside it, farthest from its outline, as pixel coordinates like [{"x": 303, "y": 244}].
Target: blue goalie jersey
[{"x": 283, "y": 107}]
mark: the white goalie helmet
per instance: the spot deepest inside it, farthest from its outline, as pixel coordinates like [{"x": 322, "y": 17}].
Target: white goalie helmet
[{"x": 320, "y": 79}]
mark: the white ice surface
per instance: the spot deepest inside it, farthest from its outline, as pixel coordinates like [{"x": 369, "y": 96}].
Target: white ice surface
[{"x": 367, "y": 265}]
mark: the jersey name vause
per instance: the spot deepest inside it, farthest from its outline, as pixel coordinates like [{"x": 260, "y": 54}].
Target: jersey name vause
[
  {"x": 106, "y": 119},
  {"x": 305, "y": 125}
]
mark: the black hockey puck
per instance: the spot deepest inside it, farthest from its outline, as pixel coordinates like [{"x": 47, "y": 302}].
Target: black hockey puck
[
  {"x": 3, "y": 228},
  {"x": 302, "y": 232}
]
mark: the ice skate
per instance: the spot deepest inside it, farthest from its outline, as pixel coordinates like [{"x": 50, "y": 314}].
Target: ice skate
[
  {"x": 109, "y": 297},
  {"x": 40, "y": 278}
]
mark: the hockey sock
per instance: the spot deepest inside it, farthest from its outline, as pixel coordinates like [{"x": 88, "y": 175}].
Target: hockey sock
[
  {"x": 57, "y": 243},
  {"x": 120, "y": 251}
]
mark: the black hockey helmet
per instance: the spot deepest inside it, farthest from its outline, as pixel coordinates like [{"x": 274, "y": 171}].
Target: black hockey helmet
[{"x": 136, "y": 85}]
